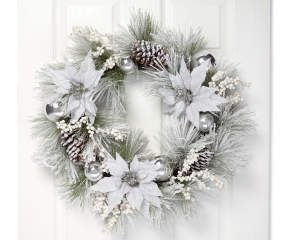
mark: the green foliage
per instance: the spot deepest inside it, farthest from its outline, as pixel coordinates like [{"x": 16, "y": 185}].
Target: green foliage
[
  {"x": 115, "y": 75},
  {"x": 182, "y": 45},
  {"x": 143, "y": 26},
  {"x": 235, "y": 126},
  {"x": 135, "y": 144},
  {"x": 75, "y": 191}
]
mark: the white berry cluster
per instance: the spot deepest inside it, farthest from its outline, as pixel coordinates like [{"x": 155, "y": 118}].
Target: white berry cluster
[
  {"x": 123, "y": 208},
  {"x": 98, "y": 52},
  {"x": 110, "y": 63},
  {"x": 71, "y": 126},
  {"x": 202, "y": 179},
  {"x": 227, "y": 86},
  {"x": 187, "y": 193},
  {"x": 116, "y": 134},
  {"x": 100, "y": 207},
  {"x": 99, "y": 204},
  {"x": 223, "y": 82},
  {"x": 190, "y": 159}
]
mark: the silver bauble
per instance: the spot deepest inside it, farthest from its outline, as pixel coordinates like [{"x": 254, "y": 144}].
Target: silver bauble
[
  {"x": 92, "y": 171},
  {"x": 206, "y": 122},
  {"x": 164, "y": 170},
  {"x": 55, "y": 111},
  {"x": 205, "y": 58},
  {"x": 127, "y": 65}
]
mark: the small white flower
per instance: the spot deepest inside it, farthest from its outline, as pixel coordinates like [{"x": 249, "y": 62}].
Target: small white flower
[
  {"x": 136, "y": 182},
  {"x": 188, "y": 96},
  {"x": 79, "y": 85}
]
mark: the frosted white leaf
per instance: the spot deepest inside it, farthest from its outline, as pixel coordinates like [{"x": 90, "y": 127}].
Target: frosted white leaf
[
  {"x": 135, "y": 198},
  {"x": 176, "y": 81},
  {"x": 77, "y": 112},
  {"x": 193, "y": 114},
  {"x": 117, "y": 167},
  {"x": 198, "y": 76},
  {"x": 150, "y": 189},
  {"x": 204, "y": 106},
  {"x": 107, "y": 184},
  {"x": 204, "y": 92},
  {"x": 135, "y": 165},
  {"x": 179, "y": 108},
  {"x": 217, "y": 99},
  {"x": 115, "y": 197},
  {"x": 90, "y": 107},
  {"x": 154, "y": 200},
  {"x": 145, "y": 209},
  {"x": 185, "y": 74},
  {"x": 73, "y": 103},
  {"x": 61, "y": 80}
]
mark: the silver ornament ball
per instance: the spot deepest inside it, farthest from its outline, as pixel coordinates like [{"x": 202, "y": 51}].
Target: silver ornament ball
[
  {"x": 205, "y": 58},
  {"x": 92, "y": 172},
  {"x": 164, "y": 170},
  {"x": 127, "y": 65},
  {"x": 206, "y": 122},
  {"x": 55, "y": 111}
]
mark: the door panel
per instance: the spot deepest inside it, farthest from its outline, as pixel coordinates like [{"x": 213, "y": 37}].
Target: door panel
[{"x": 232, "y": 27}]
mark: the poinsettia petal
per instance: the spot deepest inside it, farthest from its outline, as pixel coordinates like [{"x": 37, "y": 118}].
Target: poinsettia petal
[
  {"x": 218, "y": 99},
  {"x": 150, "y": 188},
  {"x": 177, "y": 81},
  {"x": 205, "y": 106},
  {"x": 89, "y": 75},
  {"x": 193, "y": 115},
  {"x": 117, "y": 167},
  {"x": 135, "y": 198},
  {"x": 70, "y": 70},
  {"x": 154, "y": 200},
  {"x": 107, "y": 184},
  {"x": 90, "y": 107},
  {"x": 115, "y": 197},
  {"x": 204, "y": 92},
  {"x": 135, "y": 164},
  {"x": 77, "y": 112},
  {"x": 61, "y": 80},
  {"x": 179, "y": 108},
  {"x": 73, "y": 103},
  {"x": 185, "y": 74},
  {"x": 198, "y": 76},
  {"x": 145, "y": 209}
]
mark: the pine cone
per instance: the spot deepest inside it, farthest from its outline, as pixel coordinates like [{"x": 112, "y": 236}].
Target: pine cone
[
  {"x": 74, "y": 144},
  {"x": 148, "y": 54},
  {"x": 203, "y": 160}
]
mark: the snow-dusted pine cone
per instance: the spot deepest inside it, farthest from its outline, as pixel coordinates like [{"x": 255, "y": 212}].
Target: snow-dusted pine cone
[
  {"x": 203, "y": 161},
  {"x": 74, "y": 144},
  {"x": 148, "y": 54}
]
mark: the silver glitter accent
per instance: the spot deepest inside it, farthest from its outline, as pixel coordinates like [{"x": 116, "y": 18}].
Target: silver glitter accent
[{"x": 130, "y": 178}]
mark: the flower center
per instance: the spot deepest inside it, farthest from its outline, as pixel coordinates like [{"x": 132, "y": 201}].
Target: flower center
[
  {"x": 185, "y": 94},
  {"x": 78, "y": 90},
  {"x": 130, "y": 178}
]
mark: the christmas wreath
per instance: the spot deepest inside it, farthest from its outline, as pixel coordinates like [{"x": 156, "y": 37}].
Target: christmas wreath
[{"x": 104, "y": 164}]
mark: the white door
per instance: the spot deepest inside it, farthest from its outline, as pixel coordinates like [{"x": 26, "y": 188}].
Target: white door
[{"x": 237, "y": 31}]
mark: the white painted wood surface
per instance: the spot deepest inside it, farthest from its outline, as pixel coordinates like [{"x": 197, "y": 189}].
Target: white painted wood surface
[{"x": 237, "y": 30}]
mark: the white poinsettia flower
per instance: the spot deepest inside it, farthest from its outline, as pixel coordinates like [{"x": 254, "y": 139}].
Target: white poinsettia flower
[
  {"x": 136, "y": 182},
  {"x": 79, "y": 86},
  {"x": 188, "y": 96}
]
